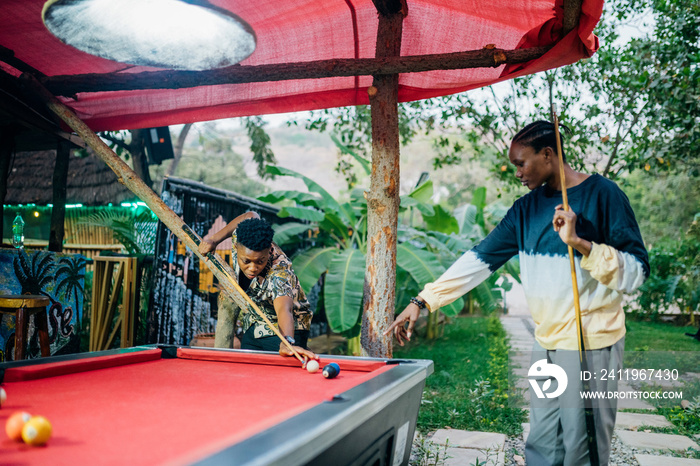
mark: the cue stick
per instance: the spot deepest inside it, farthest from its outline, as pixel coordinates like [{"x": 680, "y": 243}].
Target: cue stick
[
  {"x": 165, "y": 214},
  {"x": 587, "y": 403},
  {"x": 574, "y": 281}
]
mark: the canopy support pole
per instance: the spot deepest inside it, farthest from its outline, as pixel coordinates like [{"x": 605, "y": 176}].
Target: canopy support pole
[
  {"x": 7, "y": 141},
  {"x": 221, "y": 270},
  {"x": 383, "y": 196}
]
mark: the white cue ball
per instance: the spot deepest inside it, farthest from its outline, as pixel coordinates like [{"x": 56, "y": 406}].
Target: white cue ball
[
  {"x": 3, "y": 396},
  {"x": 312, "y": 366}
]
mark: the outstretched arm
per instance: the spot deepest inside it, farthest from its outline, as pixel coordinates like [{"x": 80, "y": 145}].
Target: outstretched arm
[
  {"x": 472, "y": 268},
  {"x": 285, "y": 320}
]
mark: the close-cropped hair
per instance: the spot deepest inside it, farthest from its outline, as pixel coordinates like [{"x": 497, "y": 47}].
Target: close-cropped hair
[
  {"x": 541, "y": 134},
  {"x": 255, "y": 234}
]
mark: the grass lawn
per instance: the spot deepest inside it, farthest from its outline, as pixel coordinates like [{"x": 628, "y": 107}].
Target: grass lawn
[
  {"x": 469, "y": 388},
  {"x": 659, "y": 336},
  {"x": 662, "y": 345}
]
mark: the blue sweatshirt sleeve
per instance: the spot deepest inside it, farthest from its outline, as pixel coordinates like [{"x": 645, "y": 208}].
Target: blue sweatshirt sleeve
[
  {"x": 619, "y": 260},
  {"x": 475, "y": 265},
  {"x": 502, "y": 243}
]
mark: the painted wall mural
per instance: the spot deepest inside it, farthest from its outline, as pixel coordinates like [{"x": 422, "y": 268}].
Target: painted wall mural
[{"x": 58, "y": 276}]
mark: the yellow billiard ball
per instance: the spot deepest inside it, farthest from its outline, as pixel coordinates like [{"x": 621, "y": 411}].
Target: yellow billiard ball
[{"x": 36, "y": 431}]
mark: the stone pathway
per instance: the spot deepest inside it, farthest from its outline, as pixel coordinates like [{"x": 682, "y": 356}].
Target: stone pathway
[
  {"x": 468, "y": 448},
  {"x": 485, "y": 448}
]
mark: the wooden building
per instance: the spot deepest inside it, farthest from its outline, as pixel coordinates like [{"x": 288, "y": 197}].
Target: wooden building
[{"x": 91, "y": 188}]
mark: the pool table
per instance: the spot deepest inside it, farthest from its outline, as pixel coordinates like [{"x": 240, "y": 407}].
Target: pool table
[{"x": 163, "y": 404}]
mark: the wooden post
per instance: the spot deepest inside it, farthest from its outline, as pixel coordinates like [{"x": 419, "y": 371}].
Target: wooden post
[
  {"x": 137, "y": 148},
  {"x": 69, "y": 85},
  {"x": 60, "y": 186},
  {"x": 383, "y": 196},
  {"x": 7, "y": 142}
]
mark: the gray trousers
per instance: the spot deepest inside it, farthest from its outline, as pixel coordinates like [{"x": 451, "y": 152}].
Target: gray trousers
[{"x": 557, "y": 425}]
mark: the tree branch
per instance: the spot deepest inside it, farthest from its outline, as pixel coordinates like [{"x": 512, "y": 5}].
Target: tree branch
[
  {"x": 390, "y": 7},
  {"x": 619, "y": 138},
  {"x": 513, "y": 109},
  {"x": 116, "y": 141},
  {"x": 177, "y": 152}
]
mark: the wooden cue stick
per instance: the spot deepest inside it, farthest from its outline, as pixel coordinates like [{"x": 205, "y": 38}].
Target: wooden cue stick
[
  {"x": 591, "y": 439},
  {"x": 132, "y": 181},
  {"x": 574, "y": 281}
]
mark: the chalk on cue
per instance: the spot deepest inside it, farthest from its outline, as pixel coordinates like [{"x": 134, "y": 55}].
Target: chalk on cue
[{"x": 331, "y": 370}]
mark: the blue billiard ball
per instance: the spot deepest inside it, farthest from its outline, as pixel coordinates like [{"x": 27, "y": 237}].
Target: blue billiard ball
[{"x": 331, "y": 370}]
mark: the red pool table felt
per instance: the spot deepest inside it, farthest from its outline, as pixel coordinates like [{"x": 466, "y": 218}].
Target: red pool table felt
[{"x": 139, "y": 408}]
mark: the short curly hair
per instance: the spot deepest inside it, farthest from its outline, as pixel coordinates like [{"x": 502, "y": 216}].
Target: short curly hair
[{"x": 255, "y": 234}]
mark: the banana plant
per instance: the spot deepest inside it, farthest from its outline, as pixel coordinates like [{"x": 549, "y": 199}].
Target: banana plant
[{"x": 339, "y": 234}]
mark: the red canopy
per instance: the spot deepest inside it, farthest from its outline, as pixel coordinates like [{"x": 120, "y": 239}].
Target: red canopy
[{"x": 308, "y": 30}]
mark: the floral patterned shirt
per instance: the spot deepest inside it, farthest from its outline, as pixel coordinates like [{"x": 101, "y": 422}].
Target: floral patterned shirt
[{"x": 276, "y": 280}]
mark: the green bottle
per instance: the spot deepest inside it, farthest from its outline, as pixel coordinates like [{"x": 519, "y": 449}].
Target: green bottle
[{"x": 18, "y": 231}]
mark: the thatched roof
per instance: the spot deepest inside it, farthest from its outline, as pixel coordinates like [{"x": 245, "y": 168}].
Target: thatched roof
[{"x": 90, "y": 181}]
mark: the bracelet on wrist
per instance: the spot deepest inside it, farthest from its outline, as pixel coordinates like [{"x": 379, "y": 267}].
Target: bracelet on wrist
[{"x": 418, "y": 302}]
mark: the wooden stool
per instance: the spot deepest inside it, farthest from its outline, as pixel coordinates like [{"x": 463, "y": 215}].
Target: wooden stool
[{"x": 23, "y": 306}]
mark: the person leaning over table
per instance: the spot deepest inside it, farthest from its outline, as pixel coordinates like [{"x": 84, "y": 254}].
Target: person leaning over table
[
  {"x": 610, "y": 260},
  {"x": 265, "y": 273}
]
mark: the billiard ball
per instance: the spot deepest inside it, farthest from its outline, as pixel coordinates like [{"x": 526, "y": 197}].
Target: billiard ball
[
  {"x": 36, "y": 431},
  {"x": 3, "y": 396},
  {"x": 14, "y": 424},
  {"x": 331, "y": 370},
  {"x": 312, "y": 366}
]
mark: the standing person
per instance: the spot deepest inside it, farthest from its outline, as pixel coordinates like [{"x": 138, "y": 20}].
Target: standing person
[
  {"x": 610, "y": 260},
  {"x": 265, "y": 273}
]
